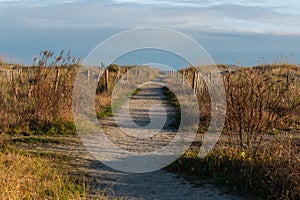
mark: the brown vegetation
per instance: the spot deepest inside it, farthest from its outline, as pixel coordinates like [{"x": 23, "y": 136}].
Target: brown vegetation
[{"x": 259, "y": 150}]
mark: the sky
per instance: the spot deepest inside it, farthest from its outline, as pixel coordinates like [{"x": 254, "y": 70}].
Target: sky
[{"x": 232, "y": 31}]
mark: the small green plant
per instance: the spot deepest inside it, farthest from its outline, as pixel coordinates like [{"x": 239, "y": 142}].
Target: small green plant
[
  {"x": 33, "y": 140},
  {"x": 57, "y": 127},
  {"x": 137, "y": 91},
  {"x": 106, "y": 111}
]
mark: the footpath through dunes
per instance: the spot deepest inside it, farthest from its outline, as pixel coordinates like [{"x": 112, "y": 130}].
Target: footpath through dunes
[
  {"x": 104, "y": 181},
  {"x": 153, "y": 185}
]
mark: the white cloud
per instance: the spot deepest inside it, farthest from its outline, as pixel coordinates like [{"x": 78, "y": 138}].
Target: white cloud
[
  {"x": 256, "y": 27},
  {"x": 280, "y": 5},
  {"x": 35, "y": 2},
  {"x": 257, "y": 16},
  {"x": 228, "y": 27}
]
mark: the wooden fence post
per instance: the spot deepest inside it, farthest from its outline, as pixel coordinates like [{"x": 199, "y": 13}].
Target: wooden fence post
[
  {"x": 195, "y": 82},
  {"x": 287, "y": 83},
  {"x": 20, "y": 72},
  {"x": 106, "y": 79},
  {"x": 118, "y": 74},
  {"x": 15, "y": 86},
  {"x": 2, "y": 60},
  {"x": 56, "y": 82},
  {"x": 88, "y": 75},
  {"x": 99, "y": 74},
  {"x": 127, "y": 74}
]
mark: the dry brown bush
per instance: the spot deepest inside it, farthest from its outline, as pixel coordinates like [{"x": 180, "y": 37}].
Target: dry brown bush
[{"x": 258, "y": 102}]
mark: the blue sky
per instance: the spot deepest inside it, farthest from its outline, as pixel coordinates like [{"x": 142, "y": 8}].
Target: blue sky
[{"x": 231, "y": 31}]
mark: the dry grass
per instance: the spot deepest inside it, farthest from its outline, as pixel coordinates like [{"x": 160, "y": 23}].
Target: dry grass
[
  {"x": 27, "y": 176},
  {"x": 260, "y": 102},
  {"x": 260, "y": 147},
  {"x": 259, "y": 151},
  {"x": 33, "y": 98},
  {"x": 125, "y": 75},
  {"x": 38, "y": 100},
  {"x": 271, "y": 173}
]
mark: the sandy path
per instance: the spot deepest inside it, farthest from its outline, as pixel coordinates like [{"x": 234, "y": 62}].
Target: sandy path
[{"x": 154, "y": 185}]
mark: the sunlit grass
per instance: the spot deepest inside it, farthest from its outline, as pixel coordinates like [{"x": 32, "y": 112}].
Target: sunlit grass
[{"x": 24, "y": 176}]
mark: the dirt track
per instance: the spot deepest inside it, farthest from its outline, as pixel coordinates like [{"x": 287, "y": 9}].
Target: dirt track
[{"x": 154, "y": 185}]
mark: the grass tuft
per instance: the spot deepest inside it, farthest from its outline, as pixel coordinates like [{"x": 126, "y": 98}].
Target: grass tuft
[{"x": 24, "y": 176}]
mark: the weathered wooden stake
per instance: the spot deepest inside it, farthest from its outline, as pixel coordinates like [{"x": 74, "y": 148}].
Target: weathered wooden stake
[
  {"x": 106, "y": 79},
  {"x": 88, "y": 75},
  {"x": 2, "y": 60},
  {"x": 195, "y": 82},
  {"x": 127, "y": 74},
  {"x": 56, "y": 82},
  {"x": 99, "y": 74},
  {"x": 15, "y": 86},
  {"x": 20, "y": 75},
  {"x": 118, "y": 74},
  {"x": 287, "y": 83}
]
